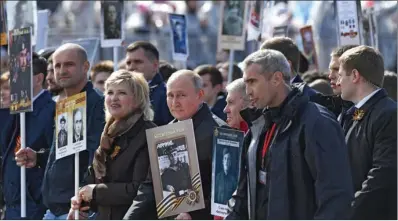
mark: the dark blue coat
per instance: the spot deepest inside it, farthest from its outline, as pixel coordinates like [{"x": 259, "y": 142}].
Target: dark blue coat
[
  {"x": 308, "y": 175},
  {"x": 59, "y": 184},
  {"x": 218, "y": 108},
  {"x": 158, "y": 99},
  {"x": 39, "y": 135},
  {"x": 306, "y": 89}
]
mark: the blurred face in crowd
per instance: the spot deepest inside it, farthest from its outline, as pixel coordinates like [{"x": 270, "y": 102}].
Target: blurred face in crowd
[
  {"x": 226, "y": 162},
  {"x": 23, "y": 59},
  {"x": 210, "y": 91},
  {"x": 348, "y": 81},
  {"x": 259, "y": 87},
  {"x": 119, "y": 100},
  {"x": 183, "y": 99},
  {"x": 224, "y": 73},
  {"x": 52, "y": 86},
  {"x": 70, "y": 71},
  {"x": 78, "y": 122},
  {"x": 235, "y": 103},
  {"x": 111, "y": 13},
  {"x": 139, "y": 62},
  {"x": 5, "y": 93},
  {"x": 334, "y": 75},
  {"x": 99, "y": 81}
]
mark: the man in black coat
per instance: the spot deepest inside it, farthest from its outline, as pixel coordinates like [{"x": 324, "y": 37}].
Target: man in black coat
[
  {"x": 370, "y": 129},
  {"x": 295, "y": 165},
  {"x": 185, "y": 101}
]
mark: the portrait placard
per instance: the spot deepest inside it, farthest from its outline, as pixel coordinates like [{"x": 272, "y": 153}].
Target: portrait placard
[
  {"x": 280, "y": 31},
  {"x": 22, "y": 14},
  {"x": 91, "y": 46},
  {"x": 112, "y": 20},
  {"x": 309, "y": 46},
  {"x": 179, "y": 37},
  {"x": 71, "y": 126},
  {"x": 348, "y": 22},
  {"x": 227, "y": 148},
  {"x": 254, "y": 28},
  {"x": 21, "y": 71},
  {"x": 175, "y": 169},
  {"x": 232, "y": 28},
  {"x": 42, "y": 29},
  {"x": 3, "y": 23}
]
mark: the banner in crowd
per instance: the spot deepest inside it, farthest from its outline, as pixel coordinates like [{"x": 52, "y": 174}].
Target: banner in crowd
[
  {"x": 175, "y": 169},
  {"x": 179, "y": 37},
  {"x": 91, "y": 46},
  {"x": 71, "y": 125},
  {"x": 22, "y": 14},
  {"x": 21, "y": 71},
  {"x": 309, "y": 46},
  {"x": 348, "y": 22},
  {"x": 42, "y": 29},
  {"x": 227, "y": 149},
  {"x": 3, "y": 23},
  {"x": 232, "y": 28},
  {"x": 112, "y": 20},
  {"x": 254, "y": 26}
]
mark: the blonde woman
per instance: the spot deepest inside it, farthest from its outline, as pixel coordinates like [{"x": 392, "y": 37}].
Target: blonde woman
[{"x": 121, "y": 162}]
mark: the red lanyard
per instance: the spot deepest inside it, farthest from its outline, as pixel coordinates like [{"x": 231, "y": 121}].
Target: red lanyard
[{"x": 267, "y": 142}]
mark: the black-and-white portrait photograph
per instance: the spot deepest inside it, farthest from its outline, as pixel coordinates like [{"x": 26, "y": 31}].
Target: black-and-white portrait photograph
[
  {"x": 178, "y": 26},
  {"x": 174, "y": 167},
  {"x": 62, "y": 130},
  {"x": 22, "y": 14},
  {"x": 78, "y": 126},
  {"x": 226, "y": 180},
  {"x": 233, "y": 19},
  {"x": 112, "y": 13}
]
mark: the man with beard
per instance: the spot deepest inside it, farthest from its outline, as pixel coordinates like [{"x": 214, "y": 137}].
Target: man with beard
[{"x": 52, "y": 86}]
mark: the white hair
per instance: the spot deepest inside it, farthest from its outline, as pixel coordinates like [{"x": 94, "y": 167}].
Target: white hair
[
  {"x": 270, "y": 61},
  {"x": 238, "y": 86}
]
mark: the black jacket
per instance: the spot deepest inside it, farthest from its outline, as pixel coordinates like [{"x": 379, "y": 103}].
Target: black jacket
[
  {"x": 58, "y": 183},
  {"x": 372, "y": 147},
  {"x": 308, "y": 171},
  {"x": 144, "y": 205}
]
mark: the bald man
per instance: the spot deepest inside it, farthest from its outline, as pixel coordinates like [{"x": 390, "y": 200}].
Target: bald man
[
  {"x": 185, "y": 101},
  {"x": 70, "y": 69}
]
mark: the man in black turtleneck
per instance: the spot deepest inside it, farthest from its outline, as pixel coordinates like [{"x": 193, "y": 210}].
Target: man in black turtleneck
[{"x": 295, "y": 165}]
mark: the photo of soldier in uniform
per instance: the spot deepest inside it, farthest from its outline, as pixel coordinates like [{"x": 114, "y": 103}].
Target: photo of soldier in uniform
[
  {"x": 178, "y": 26},
  {"x": 63, "y": 131},
  {"x": 174, "y": 163},
  {"x": 226, "y": 181},
  {"x": 20, "y": 70},
  {"x": 233, "y": 19},
  {"x": 78, "y": 125},
  {"x": 112, "y": 17}
]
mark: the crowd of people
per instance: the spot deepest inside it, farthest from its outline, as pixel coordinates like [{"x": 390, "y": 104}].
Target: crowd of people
[
  {"x": 317, "y": 145},
  {"x": 320, "y": 149}
]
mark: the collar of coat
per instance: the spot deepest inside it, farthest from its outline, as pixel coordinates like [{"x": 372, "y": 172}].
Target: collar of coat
[{"x": 373, "y": 100}]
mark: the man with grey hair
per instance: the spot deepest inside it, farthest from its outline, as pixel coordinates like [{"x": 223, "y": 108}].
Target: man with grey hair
[
  {"x": 237, "y": 100},
  {"x": 295, "y": 163},
  {"x": 185, "y": 101},
  {"x": 70, "y": 67}
]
